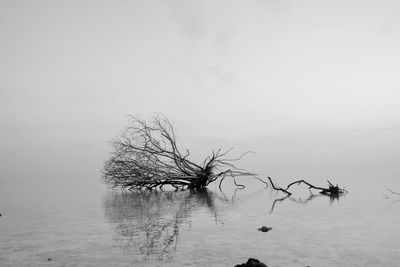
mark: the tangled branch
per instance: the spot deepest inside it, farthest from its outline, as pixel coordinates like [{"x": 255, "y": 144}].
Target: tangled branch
[{"x": 146, "y": 156}]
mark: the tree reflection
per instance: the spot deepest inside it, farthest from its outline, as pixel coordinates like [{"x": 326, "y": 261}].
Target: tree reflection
[{"x": 148, "y": 222}]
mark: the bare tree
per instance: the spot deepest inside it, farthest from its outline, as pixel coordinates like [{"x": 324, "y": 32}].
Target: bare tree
[{"x": 146, "y": 156}]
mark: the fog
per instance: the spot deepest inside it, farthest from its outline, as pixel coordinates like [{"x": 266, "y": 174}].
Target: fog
[{"x": 307, "y": 85}]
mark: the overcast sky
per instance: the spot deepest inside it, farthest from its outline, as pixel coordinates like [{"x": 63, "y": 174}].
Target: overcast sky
[{"x": 308, "y": 73}]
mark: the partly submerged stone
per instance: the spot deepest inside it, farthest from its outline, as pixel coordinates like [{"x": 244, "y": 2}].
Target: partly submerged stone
[
  {"x": 252, "y": 263},
  {"x": 265, "y": 229}
]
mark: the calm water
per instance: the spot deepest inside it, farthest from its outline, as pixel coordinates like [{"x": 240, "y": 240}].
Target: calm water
[{"x": 88, "y": 225}]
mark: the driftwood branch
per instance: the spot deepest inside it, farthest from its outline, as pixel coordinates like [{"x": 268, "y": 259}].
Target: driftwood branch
[{"x": 332, "y": 190}]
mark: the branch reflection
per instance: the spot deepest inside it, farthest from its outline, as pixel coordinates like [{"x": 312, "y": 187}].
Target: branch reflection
[
  {"x": 147, "y": 223},
  {"x": 298, "y": 200}
]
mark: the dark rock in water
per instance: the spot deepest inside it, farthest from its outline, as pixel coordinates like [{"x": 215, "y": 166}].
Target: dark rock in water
[
  {"x": 252, "y": 263},
  {"x": 49, "y": 259},
  {"x": 265, "y": 229},
  {"x": 0, "y": 215}
]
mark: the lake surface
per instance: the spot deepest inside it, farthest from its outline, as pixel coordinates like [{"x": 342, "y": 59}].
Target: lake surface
[{"x": 77, "y": 224}]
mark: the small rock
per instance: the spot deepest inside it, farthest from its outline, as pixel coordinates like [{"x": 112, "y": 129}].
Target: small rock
[
  {"x": 265, "y": 229},
  {"x": 252, "y": 263},
  {"x": 50, "y": 259}
]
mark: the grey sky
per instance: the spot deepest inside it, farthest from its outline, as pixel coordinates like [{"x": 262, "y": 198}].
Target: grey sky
[{"x": 242, "y": 70}]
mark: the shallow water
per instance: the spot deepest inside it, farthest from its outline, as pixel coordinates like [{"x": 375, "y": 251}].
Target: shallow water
[{"x": 86, "y": 225}]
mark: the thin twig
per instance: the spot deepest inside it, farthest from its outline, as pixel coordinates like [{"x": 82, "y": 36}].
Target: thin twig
[{"x": 278, "y": 188}]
